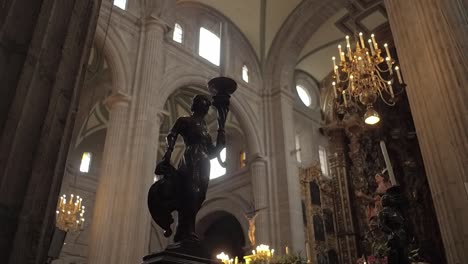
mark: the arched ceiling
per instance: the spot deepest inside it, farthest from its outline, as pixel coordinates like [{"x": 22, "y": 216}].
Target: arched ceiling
[
  {"x": 259, "y": 20},
  {"x": 315, "y": 58}
]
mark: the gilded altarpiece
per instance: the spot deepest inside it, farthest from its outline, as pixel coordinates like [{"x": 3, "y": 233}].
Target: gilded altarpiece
[{"x": 319, "y": 220}]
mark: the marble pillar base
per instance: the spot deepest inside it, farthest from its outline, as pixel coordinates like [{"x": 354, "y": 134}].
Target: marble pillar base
[{"x": 171, "y": 257}]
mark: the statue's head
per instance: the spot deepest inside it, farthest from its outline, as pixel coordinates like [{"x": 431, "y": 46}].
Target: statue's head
[
  {"x": 201, "y": 104},
  {"x": 381, "y": 176}
]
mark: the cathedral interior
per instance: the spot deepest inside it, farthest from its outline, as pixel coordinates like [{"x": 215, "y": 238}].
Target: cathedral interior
[{"x": 346, "y": 139}]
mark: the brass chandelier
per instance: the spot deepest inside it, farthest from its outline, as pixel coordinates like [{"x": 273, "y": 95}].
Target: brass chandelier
[
  {"x": 363, "y": 75},
  {"x": 70, "y": 214}
]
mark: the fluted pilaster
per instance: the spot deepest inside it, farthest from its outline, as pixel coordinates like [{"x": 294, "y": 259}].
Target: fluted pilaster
[
  {"x": 431, "y": 37},
  {"x": 142, "y": 146},
  {"x": 106, "y": 245},
  {"x": 285, "y": 211},
  {"x": 258, "y": 171}
]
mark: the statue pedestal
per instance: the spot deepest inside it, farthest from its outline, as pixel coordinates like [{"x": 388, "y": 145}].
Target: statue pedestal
[
  {"x": 188, "y": 251},
  {"x": 169, "y": 257}
]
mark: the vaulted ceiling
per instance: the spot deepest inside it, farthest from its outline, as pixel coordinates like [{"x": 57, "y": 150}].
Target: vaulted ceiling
[{"x": 260, "y": 21}]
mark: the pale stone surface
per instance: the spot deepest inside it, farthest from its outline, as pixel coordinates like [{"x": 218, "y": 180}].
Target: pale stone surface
[{"x": 431, "y": 37}]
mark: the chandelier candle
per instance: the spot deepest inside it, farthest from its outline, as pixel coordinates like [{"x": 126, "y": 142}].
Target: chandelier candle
[
  {"x": 70, "y": 216},
  {"x": 364, "y": 75}
]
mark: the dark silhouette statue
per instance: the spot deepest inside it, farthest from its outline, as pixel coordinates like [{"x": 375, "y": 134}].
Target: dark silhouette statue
[
  {"x": 184, "y": 189},
  {"x": 393, "y": 223}
]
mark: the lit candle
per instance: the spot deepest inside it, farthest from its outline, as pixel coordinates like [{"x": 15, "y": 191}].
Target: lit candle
[
  {"x": 287, "y": 250},
  {"x": 334, "y": 66},
  {"x": 390, "y": 88},
  {"x": 344, "y": 99},
  {"x": 236, "y": 260},
  {"x": 374, "y": 42},
  {"x": 368, "y": 57},
  {"x": 387, "y": 50},
  {"x": 348, "y": 47},
  {"x": 360, "y": 62},
  {"x": 397, "y": 69},
  {"x": 334, "y": 89},
  {"x": 389, "y": 64},
  {"x": 342, "y": 56},
  {"x": 371, "y": 47},
  {"x": 362, "y": 40},
  {"x": 347, "y": 41},
  {"x": 307, "y": 252},
  {"x": 71, "y": 199},
  {"x": 339, "y": 52}
]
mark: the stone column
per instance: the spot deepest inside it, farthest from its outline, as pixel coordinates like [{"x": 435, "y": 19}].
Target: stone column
[
  {"x": 346, "y": 234},
  {"x": 126, "y": 223},
  {"x": 431, "y": 38},
  {"x": 145, "y": 133},
  {"x": 44, "y": 49},
  {"x": 258, "y": 171},
  {"x": 106, "y": 243},
  {"x": 285, "y": 210}
]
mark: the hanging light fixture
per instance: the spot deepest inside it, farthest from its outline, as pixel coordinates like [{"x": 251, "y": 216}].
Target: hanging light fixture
[
  {"x": 70, "y": 215},
  {"x": 363, "y": 75}
]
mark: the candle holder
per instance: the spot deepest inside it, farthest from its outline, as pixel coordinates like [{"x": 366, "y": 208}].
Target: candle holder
[{"x": 221, "y": 89}]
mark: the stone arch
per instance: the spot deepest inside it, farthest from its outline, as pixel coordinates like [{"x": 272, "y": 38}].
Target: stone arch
[
  {"x": 180, "y": 78},
  {"x": 214, "y": 207},
  {"x": 288, "y": 43},
  {"x": 115, "y": 54}
]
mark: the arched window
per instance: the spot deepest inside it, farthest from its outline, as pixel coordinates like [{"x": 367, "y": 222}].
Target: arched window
[
  {"x": 323, "y": 161},
  {"x": 85, "y": 162},
  {"x": 178, "y": 33},
  {"x": 303, "y": 95},
  {"x": 245, "y": 73},
  {"x": 122, "y": 4},
  {"x": 209, "y": 46},
  {"x": 217, "y": 168}
]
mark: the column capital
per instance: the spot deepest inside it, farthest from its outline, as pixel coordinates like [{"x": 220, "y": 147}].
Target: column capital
[
  {"x": 257, "y": 158},
  {"x": 116, "y": 98},
  {"x": 153, "y": 22}
]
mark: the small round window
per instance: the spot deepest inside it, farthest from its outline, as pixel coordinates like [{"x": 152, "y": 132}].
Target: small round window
[{"x": 303, "y": 95}]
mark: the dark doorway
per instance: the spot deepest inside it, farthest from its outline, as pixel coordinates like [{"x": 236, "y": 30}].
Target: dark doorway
[{"x": 225, "y": 235}]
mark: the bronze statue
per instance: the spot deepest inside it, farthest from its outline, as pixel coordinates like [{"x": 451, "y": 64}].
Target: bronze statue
[{"x": 184, "y": 189}]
